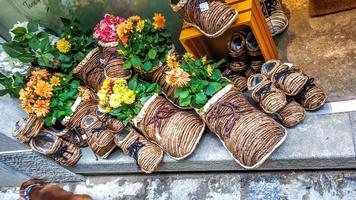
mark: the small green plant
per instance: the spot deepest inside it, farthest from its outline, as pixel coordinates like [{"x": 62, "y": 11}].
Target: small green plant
[{"x": 12, "y": 84}]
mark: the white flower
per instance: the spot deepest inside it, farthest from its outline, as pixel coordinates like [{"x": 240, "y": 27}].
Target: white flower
[{"x": 9, "y": 65}]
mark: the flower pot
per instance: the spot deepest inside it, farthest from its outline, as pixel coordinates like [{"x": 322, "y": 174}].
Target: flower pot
[{"x": 177, "y": 131}]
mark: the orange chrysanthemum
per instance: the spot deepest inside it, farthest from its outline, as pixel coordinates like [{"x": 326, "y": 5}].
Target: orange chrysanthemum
[
  {"x": 41, "y": 107},
  {"x": 140, "y": 25},
  {"x": 129, "y": 26},
  {"x": 134, "y": 19},
  {"x": 159, "y": 21},
  {"x": 177, "y": 77},
  {"x": 40, "y": 74},
  {"x": 43, "y": 89}
]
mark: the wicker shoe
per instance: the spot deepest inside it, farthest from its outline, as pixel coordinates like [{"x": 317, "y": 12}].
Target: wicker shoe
[
  {"x": 100, "y": 139},
  {"x": 286, "y": 78},
  {"x": 266, "y": 94},
  {"x": 147, "y": 155},
  {"x": 276, "y": 19},
  {"x": 237, "y": 44},
  {"x": 75, "y": 136},
  {"x": 47, "y": 143},
  {"x": 291, "y": 115},
  {"x": 240, "y": 82},
  {"x": 211, "y": 17},
  {"x": 252, "y": 46},
  {"x": 312, "y": 97},
  {"x": 28, "y": 128}
]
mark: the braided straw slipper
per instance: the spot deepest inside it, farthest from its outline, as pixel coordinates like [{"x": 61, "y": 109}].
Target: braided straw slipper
[
  {"x": 249, "y": 135},
  {"x": 75, "y": 136},
  {"x": 291, "y": 115},
  {"x": 100, "y": 139},
  {"x": 177, "y": 131},
  {"x": 266, "y": 94},
  {"x": 312, "y": 97},
  {"x": 26, "y": 129},
  {"x": 237, "y": 44},
  {"x": 238, "y": 65},
  {"x": 147, "y": 155},
  {"x": 211, "y": 17},
  {"x": 47, "y": 143},
  {"x": 249, "y": 72},
  {"x": 252, "y": 46},
  {"x": 239, "y": 81},
  {"x": 286, "y": 78}
]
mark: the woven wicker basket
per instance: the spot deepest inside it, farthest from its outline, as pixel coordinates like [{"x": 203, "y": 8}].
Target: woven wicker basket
[
  {"x": 147, "y": 155},
  {"x": 47, "y": 143},
  {"x": 28, "y": 128},
  {"x": 212, "y": 21},
  {"x": 291, "y": 115},
  {"x": 266, "y": 94},
  {"x": 249, "y": 135},
  {"x": 177, "y": 131}
]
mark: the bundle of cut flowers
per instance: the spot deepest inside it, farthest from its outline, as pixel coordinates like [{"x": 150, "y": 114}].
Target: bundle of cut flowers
[{"x": 105, "y": 30}]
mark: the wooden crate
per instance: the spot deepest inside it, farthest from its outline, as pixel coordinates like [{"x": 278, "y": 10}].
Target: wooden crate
[{"x": 250, "y": 17}]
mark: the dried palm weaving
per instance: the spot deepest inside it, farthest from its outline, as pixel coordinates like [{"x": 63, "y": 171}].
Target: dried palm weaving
[
  {"x": 238, "y": 66},
  {"x": 264, "y": 92},
  {"x": 147, "y": 155},
  {"x": 98, "y": 63},
  {"x": 249, "y": 72},
  {"x": 176, "y": 131},
  {"x": 211, "y": 17},
  {"x": 237, "y": 45},
  {"x": 28, "y": 128},
  {"x": 292, "y": 114},
  {"x": 239, "y": 81},
  {"x": 252, "y": 46},
  {"x": 312, "y": 97},
  {"x": 249, "y": 135},
  {"x": 47, "y": 143}
]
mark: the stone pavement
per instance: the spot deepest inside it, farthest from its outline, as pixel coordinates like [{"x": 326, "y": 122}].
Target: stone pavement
[{"x": 322, "y": 185}]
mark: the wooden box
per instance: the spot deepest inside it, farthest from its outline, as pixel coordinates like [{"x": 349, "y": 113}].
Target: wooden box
[{"x": 250, "y": 17}]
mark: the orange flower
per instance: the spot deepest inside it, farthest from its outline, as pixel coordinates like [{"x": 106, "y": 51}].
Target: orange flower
[
  {"x": 140, "y": 25},
  {"x": 41, "y": 107},
  {"x": 124, "y": 39},
  {"x": 177, "y": 77},
  {"x": 129, "y": 26},
  {"x": 134, "y": 19},
  {"x": 85, "y": 93},
  {"x": 159, "y": 22},
  {"x": 43, "y": 89},
  {"x": 27, "y": 105},
  {"x": 55, "y": 81},
  {"x": 40, "y": 74}
]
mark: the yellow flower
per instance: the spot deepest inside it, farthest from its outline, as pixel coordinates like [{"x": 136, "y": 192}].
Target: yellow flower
[
  {"x": 172, "y": 61},
  {"x": 177, "y": 78},
  {"x": 120, "y": 83},
  {"x": 140, "y": 25},
  {"x": 188, "y": 55},
  {"x": 134, "y": 19},
  {"x": 106, "y": 84},
  {"x": 102, "y": 95},
  {"x": 209, "y": 70},
  {"x": 63, "y": 45},
  {"x": 203, "y": 60},
  {"x": 159, "y": 22},
  {"x": 55, "y": 81},
  {"x": 116, "y": 100},
  {"x": 43, "y": 89},
  {"x": 129, "y": 97},
  {"x": 129, "y": 26},
  {"x": 121, "y": 29},
  {"x": 41, "y": 107},
  {"x": 104, "y": 109},
  {"x": 120, "y": 52}
]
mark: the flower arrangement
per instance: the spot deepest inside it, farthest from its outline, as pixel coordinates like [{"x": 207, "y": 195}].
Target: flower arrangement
[
  {"x": 73, "y": 45},
  {"x": 105, "y": 30},
  {"x": 143, "y": 43},
  {"x": 30, "y": 44},
  {"x": 194, "y": 80},
  {"x": 123, "y": 99}
]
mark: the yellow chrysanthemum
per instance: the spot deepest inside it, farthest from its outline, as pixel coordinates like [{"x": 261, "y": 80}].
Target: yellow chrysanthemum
[
  {"x": 172, "y": 61},
  {"x": 102, "y": 95},
  {"x": 41, "y": 107},
  {"x": 63, "y": 45},
  {"x": 209, "y": 70},
  {"x": 129, "y": 26},
  {"x": 55, "y": 81},
  {"x": 116, "y": 100},
  {"x": 43, "y": 89},
  {"x": 106, "y": 84},
  {"x": 187, "y": 55},
  {"x": 134, "y": 19},
  {"x": 121, "y": 29},
  {"x": 104, "y": 108},
  {"x": 159, "y": 21},
  {"x": 129, "y": 97},
  {"x": 140, "y": 25},
  {"x": 120, "y": 83}
]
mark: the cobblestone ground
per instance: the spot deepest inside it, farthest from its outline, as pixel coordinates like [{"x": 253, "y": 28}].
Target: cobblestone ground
[{"x": 328, "y": 185}]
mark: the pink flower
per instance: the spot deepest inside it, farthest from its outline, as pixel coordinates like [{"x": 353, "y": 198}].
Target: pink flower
[{"x": 105, "y": 30}]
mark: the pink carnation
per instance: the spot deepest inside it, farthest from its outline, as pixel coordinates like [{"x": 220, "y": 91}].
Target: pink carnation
[{"x": 105, "y": 30}]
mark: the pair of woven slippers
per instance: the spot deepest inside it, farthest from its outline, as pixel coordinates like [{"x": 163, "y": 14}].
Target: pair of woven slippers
[
  {"x": 276, "y": 18},
  {"x": 211, "y": 17},
  {"x": 46, "y": 141}
]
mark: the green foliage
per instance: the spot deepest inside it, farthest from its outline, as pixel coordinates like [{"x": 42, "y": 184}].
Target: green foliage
[
  {"x": 63, "y": 99},
  {"x": 205, "y": 81},
  {"x": 30, "y": 45},
  {"x": 146, "y": 49},
  {"x": 143, "y": 91},
  {"x": 12, "y": 85},
  {"x": 81, "y": 41}
]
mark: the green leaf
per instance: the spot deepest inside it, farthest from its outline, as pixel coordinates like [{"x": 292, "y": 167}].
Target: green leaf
[
  {"x": 184, "y": 94},
  {"x": 66, "y": 22},
  {"x": 49, "y": 121},
  {"x": 64, "y": 58},
  {"x": 147, "y": 66},
  {"x": 13, "y": 48},
  {"x": 151, "y": 88},
  {"x": 66, "y": 65},
  {"x": 19, "y": 31},
  {"x": 185, "y": 102},
  {"x": 34, "y": 43},
  {"x": 79, "y": 56},
  {"x": 200, "y": 99},
  {"x": 152, "y": 54},
  {"x": 4, "y": 92},
  {"x": 136, "y": 61},
  {"x": 32, "y": 26},
  {"x": 132, "y": 84},
  {"x": 212, "y": 88},
  {"x": 127, "y": 64},
  {"x": 26, "y": 58}
]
